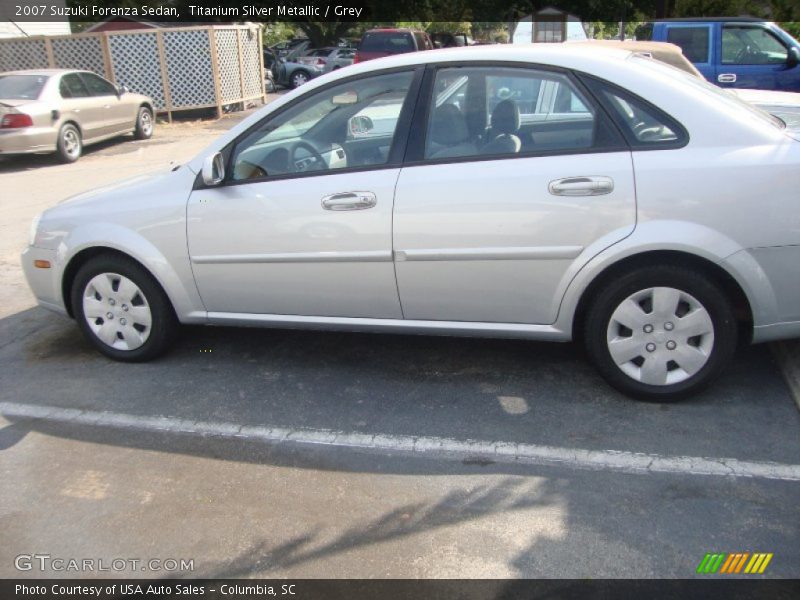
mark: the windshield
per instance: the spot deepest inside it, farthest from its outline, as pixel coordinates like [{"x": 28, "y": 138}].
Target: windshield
[
  {"x": 722, "y": 94},
  {"x": 21, "y": 87}
]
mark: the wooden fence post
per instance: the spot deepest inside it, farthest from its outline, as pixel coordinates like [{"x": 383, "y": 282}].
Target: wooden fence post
[
  {"x": 162, "y": 61},
  {"x": 240, "y": 53},
  {"x": 212, "y": 46},
  {"x": 108, "y": 63},
  {"x": 51, "y": 57},
  {"x": 261, "y": 76}
]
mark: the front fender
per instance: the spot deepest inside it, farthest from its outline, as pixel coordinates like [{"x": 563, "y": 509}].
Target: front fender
[{"x": 172, "y": 273}]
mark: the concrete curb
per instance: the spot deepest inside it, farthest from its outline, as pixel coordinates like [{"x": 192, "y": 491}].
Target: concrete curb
[{"x": 787, "y": 354}]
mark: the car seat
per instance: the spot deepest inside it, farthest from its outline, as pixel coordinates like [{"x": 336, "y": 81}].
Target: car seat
[
  {"x": 501, "y": 138},
  {"x": 449, "y": 129}
]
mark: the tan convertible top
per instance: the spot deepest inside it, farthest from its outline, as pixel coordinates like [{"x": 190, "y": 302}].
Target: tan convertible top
[{"x": 663, "y": 51}]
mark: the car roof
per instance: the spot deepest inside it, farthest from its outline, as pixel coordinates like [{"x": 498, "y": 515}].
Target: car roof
[
  {"x": 44, "y": 72},
  {"x": 391, "y": 30},
  {"x": 557, "y": 55},
  {"x": 713, "y": 20}
]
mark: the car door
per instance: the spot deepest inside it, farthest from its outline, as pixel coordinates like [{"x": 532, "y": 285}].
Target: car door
[
  {"x": 78, "y": 105},
  {"x": 488, "y": 227},
  {"x": 117, "y": 114},
  {"x": 302, "y": 223},
  {"x": 751, "y": 57}
]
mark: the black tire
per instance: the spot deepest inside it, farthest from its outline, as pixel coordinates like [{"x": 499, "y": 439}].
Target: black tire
[
  {"x": 295, "y": 84},
  {"x": 700, "y": 287},
  {"x": 164, "y": 325},
  {"x": 69, "y": 145},
  {"x": 144, "y": 124}
]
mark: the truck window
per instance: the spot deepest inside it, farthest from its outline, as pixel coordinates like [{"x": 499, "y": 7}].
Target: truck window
[
  {"x": 751, "y": 46},
  {"x": 694, "y": 41}
]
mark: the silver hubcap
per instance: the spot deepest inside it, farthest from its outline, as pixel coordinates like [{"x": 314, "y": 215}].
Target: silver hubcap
[
  {"x": 300, "y": 79},
  {"x": 72, "y": 143},
  {"x": 660, "y": 336},
  {"x": 117, "y": 311},
  {"x": 146, "y": 122}
]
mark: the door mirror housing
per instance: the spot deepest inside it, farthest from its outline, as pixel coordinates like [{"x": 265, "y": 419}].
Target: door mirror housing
[
  {"x": 360, "y": 125},
  {"x": 793, "y": 59},
  {"x": 213, "y": 169},
  {"x": 122, "y": 89}
]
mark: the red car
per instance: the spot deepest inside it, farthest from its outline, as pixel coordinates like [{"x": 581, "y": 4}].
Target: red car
[{"x": 377, "y": 43}]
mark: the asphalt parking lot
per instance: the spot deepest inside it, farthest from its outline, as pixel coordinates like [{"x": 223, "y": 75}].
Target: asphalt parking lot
[{"x": 311, "y": 454}]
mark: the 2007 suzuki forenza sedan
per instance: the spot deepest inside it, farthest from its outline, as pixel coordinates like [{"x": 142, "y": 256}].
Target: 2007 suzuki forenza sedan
[{"x": 540, "y": 192}]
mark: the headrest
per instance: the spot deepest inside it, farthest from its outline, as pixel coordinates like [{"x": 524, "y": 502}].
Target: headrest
[
  {"x": 449, "y": 126},
  {"x": 505, "y": 117}
]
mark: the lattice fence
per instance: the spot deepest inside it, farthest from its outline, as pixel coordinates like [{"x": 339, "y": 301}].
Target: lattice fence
[
  {"x": 136, "y": 63},
  {"x": 18, "y": 54},
  {"x": 84, "y": 53},
  {"x": 179, "y": 68}
]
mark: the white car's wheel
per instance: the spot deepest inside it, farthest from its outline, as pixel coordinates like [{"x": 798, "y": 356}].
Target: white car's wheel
[
  {"x": 661, "y": 333},
  {"x": 122, "y": 310}
]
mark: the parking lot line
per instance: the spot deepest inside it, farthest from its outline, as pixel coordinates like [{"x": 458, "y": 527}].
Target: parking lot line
[{"x": 434, "y": 447}]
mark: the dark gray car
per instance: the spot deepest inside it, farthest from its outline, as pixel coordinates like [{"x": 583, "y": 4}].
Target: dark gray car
[{"x": 288, "y": 73}]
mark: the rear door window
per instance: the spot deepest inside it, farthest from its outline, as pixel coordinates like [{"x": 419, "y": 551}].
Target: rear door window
[
  {"x": 484, "y": 111},
  {"x": 72, "y": 87},
  {"x": 97, "y": 85},
  {"x": 694, "y": 41}
]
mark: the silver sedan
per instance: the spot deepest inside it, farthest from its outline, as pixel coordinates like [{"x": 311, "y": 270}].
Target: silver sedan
[
  {"x": 539, "y": 192},
  {"x": 62, "y": 111}
]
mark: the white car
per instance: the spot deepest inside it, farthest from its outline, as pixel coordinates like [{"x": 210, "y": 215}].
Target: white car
[{"x": 539, "y": 192}]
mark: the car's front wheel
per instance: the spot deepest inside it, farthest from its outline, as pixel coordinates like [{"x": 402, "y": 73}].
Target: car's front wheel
[
  {"x": 661, "y": 333},
  {"x": 144, "y": 124},
  {"x": 69, "y": 145},
  {"x": 122, "y": 310}
]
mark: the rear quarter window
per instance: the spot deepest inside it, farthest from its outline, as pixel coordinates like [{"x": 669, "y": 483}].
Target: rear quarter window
[
  {"x": 644, "y": 126},
  {"x": 391, "y": 42}
]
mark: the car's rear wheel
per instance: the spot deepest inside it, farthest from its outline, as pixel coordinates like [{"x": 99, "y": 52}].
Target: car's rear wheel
[
  {"x": 122, "y": 310},
  {"x": 144, "y": 124},
  {"x": 69, "y": 145},
  {"x": 661, "y": 333},
  {"x": 299, "y": 78}
]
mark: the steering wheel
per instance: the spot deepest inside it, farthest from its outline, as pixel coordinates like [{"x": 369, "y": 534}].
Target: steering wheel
[
  {"x": 742, "y": 54},
  {"x": 296, "y": 166}
]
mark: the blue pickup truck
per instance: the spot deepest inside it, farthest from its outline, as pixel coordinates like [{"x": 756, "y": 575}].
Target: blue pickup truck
[{"x": 736, "y": 52}]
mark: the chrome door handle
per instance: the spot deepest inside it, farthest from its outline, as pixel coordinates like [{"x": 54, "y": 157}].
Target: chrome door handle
[
  {"x": 349, "y": 201},
  {"x": 581, "y": 186},
  {"x": 726, "y": 78}
]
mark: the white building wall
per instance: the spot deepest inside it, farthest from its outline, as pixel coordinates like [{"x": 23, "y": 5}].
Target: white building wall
[{"x": 15, "y": 29}]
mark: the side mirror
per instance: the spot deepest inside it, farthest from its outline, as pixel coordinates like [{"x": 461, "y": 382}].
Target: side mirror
[
  {"x": 794, "y": 57},
  {"x": 361, "y": 125},
  {"x": 213, "y": 169},
  {"x": 122, "y": 89}
]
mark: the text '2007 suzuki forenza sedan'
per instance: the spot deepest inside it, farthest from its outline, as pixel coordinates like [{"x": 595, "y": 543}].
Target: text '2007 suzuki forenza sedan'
[{"x": 540, "y": 192}]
